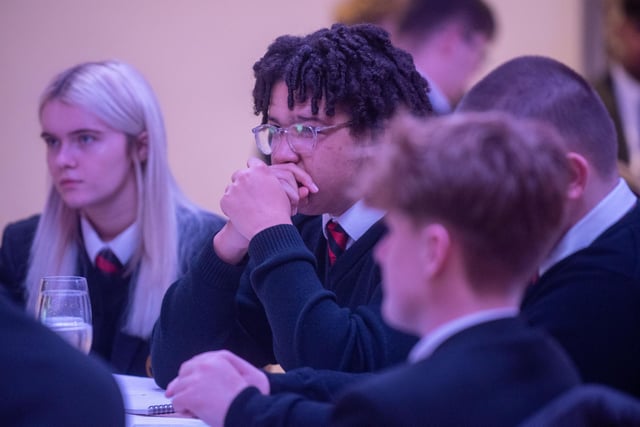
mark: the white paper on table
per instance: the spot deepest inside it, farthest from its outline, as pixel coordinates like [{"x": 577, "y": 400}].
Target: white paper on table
[{"x": 138, "y": 394}]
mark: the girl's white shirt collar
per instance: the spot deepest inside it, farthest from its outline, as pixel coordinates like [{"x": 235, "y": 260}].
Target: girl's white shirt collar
[{"x": 123, "y": 245}]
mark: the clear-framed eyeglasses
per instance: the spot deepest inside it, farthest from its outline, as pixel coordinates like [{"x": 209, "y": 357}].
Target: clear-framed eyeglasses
[{"x": 300, "y": 137}]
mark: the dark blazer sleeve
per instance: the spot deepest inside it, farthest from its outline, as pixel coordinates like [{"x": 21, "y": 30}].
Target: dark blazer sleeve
[
  {"x": 319, "y": 385},
  {"x": 17, "y": 239},
  {"x": 47, "y": 382},
  {"x": 302, "y": 397},
  {"x": 251, "y": 407}
]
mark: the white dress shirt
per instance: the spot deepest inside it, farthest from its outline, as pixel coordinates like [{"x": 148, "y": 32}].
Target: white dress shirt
[
  {"x": 355, "y": 221},
  {"x": 439, "y": 102}
]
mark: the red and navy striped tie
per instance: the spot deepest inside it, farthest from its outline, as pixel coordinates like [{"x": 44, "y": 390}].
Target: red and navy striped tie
[{"x": 336, "y": 241}]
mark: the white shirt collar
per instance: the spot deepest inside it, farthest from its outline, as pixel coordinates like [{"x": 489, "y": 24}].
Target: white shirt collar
[
  {"x": 123, "y": 245},
  {"x": 427, "y": 344},
  {"x": 606, "y": 213},
  {"x": 355, "y": 221},
  {"x": 439, "y": 101}
]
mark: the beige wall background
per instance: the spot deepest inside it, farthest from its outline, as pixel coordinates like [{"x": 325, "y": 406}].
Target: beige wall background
[{"x": 197, "y": 54}]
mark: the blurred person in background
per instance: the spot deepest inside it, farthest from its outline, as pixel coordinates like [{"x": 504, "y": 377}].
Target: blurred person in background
[
  {"x": 383, "y": 13},
  {"x": 619, "y": 87},
  {"x": 448, "y": 39},
  {"x": 46, "y": 382}
]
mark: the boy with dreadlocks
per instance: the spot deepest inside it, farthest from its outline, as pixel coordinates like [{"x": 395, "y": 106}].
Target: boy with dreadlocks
[{"x": 302, "y": 290}]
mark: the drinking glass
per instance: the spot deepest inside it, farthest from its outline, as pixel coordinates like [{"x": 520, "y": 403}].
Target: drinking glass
[{"x": 65, "y": 308}]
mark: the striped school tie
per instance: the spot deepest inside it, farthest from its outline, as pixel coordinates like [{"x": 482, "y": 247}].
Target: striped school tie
[{"x": 336, "y": 241}]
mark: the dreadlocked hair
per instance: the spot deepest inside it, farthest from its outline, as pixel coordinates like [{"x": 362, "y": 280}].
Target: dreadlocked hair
[{"x": 354, "y": 67}]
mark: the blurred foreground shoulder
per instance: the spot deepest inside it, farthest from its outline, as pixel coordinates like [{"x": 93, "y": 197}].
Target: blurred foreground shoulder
[{"x": 47, "y": 382}]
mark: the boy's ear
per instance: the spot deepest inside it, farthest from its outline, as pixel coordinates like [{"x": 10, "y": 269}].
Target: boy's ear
[
  {"x": 579, "y": 173},
  {"x": 436, "y": 242},
  {"x": 142, "y": 146}
]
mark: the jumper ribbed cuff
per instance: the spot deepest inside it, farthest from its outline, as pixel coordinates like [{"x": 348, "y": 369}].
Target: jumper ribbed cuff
[{"x": 276, "y": 239}]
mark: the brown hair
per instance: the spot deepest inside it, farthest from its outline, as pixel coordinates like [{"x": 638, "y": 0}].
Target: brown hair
[
  {"x": 421, "y": 18},
  {"x": 497, "y": 183}
]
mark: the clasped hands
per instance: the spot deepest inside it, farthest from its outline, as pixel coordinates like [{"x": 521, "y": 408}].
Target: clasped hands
[
  {"x": 257, "y": 198},
  {"x": 208, "y": 383}
]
